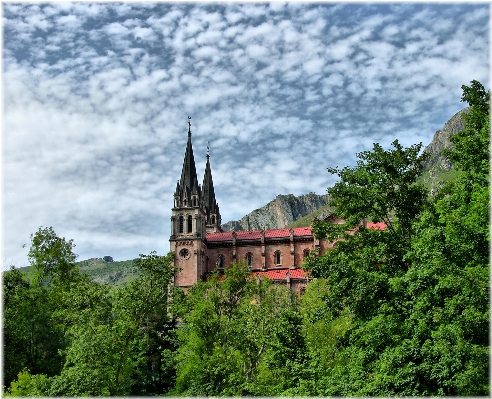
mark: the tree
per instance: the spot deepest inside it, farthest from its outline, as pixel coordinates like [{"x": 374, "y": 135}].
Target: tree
[
  {"x": 382, "y": 187},
  {"x": 117, "y": 336},
  {"x": 238, "y": 336},
  {"x": 32, "y": 337},
  {"x": 15, "y": 287},
  {"x": 471, "y": 145},
  {"x": 68, "y": 335},
  {"x": 51, "y": 257},
  {"x": 450, "y": 255}
]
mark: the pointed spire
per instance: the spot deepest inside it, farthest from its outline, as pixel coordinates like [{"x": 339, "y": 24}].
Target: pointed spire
[
  {"x": 208, "y": 192},
  {"x": 188, "y": 174}
]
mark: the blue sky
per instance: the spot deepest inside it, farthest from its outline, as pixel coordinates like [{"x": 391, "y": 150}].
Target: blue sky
[{"x": 96, "y": 99}]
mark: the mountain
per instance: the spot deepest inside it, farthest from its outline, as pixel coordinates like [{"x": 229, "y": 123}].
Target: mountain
[
  {"x": 115, "y": 273},
  {"x": 290, "y": 211},
  {"x": 278, "y": 213},
  {"x": 438, "y": 168},
  {"x": 441, "y": 141}
]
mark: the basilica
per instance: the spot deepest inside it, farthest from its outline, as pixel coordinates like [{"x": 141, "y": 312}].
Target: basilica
[{"x": 200, "y": 246}]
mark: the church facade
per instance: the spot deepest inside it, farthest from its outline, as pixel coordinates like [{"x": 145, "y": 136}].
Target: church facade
[{"x": 200, "y": 246}]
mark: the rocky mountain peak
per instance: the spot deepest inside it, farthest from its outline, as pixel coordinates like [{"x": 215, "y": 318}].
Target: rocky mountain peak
[
  {"x": 279, "y": 213},
  {"x": 440, "y": 141}
]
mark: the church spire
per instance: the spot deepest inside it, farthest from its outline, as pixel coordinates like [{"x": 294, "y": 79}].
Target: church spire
[
  {"x": 188, "y": 173},
  {"x": 210, "y": 204}
]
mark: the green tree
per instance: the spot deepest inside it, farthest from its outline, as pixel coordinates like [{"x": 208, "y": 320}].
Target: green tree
[
  {"x": 238, "y": 336},
  {"x": 449, "y": 279},
  {"x": 382, "y": 188},
  {"x": 471, "y": 145},
  {"x": 68, "y": 335},
  {"x": 52, "y": 257},
  {"x": 117, "y": 336},
  {"x": 32, "y": 338},
  {"x": 15, "y": 330},
  {"x": 28, "y": 385}
]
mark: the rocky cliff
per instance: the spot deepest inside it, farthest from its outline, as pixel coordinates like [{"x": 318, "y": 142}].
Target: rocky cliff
[
  {"x": 278, "y": 213},
  {"x": 438, "y": 168},
  {"x": 440, "y": 141}
]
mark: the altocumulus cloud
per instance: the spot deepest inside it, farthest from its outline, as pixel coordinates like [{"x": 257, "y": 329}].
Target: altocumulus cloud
[{"x": 96, "y": 98}]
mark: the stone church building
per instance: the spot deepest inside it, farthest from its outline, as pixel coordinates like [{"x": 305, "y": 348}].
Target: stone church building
[{"x": 200, "y": 246}]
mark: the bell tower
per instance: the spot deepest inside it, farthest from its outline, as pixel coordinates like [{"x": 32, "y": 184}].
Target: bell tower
[{"x": 188, "y": 223}]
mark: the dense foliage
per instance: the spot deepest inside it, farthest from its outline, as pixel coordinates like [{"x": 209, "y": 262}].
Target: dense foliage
[
  {"x": 399, "y": 311},
  {"x": 238, "y": 336},
  {"x": 66, "y": 335},
  {"x": 418, "y": 292}
]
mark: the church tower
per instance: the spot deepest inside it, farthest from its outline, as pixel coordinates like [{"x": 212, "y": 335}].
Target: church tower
[
  {"x": 213, "y": 219},
  {"x": 194, "y": 213}
]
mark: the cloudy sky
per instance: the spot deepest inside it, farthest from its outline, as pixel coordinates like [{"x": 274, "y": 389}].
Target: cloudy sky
[{"x": 96, "y": 98}]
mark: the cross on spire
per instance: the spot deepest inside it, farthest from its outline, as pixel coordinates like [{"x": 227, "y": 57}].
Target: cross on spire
[{"x": 189, "y": 126}]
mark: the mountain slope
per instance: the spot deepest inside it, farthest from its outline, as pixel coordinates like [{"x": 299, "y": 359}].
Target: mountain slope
[
  {"x": 441, "y": 141},
  {"x": 116, "y": 273},
  {"x": 438, "y": 168},
  {"x": 278, "y": 213},
  {"x": 108, "y": 272}
]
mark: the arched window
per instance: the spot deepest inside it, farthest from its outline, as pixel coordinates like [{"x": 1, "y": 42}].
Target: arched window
[
  {"x": 190, "y": 224},
  {"x": 194, "y": 201},
  {"x": 277, "y": 258},
  {"x": 181, "y": 224},
  {"x": 220, "y": 262},
  {"x": 306, "y": 253},
  {"x": 249, "y": 259},
  {"x": 213, "y": 219}
]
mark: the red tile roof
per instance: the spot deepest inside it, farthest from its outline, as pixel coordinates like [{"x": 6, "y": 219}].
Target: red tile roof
[
  {"x": 376, "y": 226},
  {"x": 281, "y": 274},
  {"x": 256, "y": 234},
  {"x": 240, "y": 235}
]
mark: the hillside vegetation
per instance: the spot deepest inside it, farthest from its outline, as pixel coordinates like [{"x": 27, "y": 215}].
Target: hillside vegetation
[{"x": 116, "y": 273}]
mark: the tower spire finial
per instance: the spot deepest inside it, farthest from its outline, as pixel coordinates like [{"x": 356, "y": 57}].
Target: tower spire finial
[
  {"x": 189, "y": 126},
  {"x": 208, "y": 149}
]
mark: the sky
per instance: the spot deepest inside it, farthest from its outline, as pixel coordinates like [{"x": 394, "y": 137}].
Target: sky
[{"x": 96, "y": 99}]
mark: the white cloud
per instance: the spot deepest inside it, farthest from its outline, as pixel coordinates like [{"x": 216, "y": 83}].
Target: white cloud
[
  {"x": 313, "y": 66},
  {"x": 70, "y": 21},
  {"x": 257, "y": 52},
  {"x": 116, "y": 28},
  {"x": 144, "y": 34}
]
